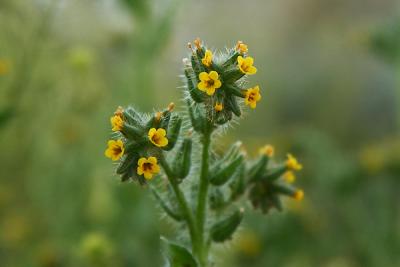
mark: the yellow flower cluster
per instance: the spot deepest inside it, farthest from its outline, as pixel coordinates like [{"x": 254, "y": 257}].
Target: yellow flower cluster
[{"x": 158, "y": 137}]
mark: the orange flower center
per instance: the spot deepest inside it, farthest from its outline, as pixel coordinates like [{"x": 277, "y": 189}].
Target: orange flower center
[
  {"x": 252, "y": 97},
  {"x": 117, "y": 150},
  {"x": 210, "y": 83},
  {"x": 147, "y": 166}
]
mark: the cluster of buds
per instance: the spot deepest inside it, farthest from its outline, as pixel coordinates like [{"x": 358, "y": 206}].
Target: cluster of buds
[
  {"x": 263, "y": 181},
  {"x": 214, "y": 93},
  {"x": 217, "y": 82}
]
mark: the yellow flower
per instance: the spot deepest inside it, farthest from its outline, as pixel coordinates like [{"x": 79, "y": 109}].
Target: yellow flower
[
  {"x": 209, "y": 82},
  {"x": 292, "y": 163},
  {"x": 148, "y": 167},
  {"x": 246, "y": 65},
  {"x": 241, "y": 47},
  {"x": 298, "y": 195},
  {"x": 289, "y": 177},
  {"x": 4, "y": 66},
  {"x": 115, "y": 149},
  {"x": 218, "y": 107},
  {"x": 117, "y": 123},
  {"x": 252, "y": 96},
  {"x": 207, "y": 59},
  {"x": 157, "y": 137},
  {"x": 267, "y": 150}
]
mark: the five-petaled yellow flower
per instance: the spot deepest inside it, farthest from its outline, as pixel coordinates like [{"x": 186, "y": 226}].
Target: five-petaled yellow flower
[
  {"x": 157, "y": 137},
  {"x": 209, "y": 82},
  {"x": 267, "y": 150},
  {"x": 115, "y": 149},
  {"x": 117, "y": 122},
  {"x": 252, "y": 96},
  {"x": 298, "y": 195},
  {"x": 241, "y": 47},
  {"x": 207, "y": 59},
  {"x": 246, "y": 65},
  {"x": 148, "y": 167},
  {"x": 292, "y": 163},
  {"x": 218, "y": 107}
]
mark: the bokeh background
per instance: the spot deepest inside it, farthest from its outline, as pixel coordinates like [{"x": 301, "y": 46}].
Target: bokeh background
[{"x": 330, "y": 78}]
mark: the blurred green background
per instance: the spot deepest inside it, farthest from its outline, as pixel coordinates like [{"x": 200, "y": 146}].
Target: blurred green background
[{"x": 330, "y": 78}]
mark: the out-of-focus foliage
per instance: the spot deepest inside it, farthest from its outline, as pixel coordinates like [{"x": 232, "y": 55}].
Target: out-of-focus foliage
[{"x": 331, "y": 89}]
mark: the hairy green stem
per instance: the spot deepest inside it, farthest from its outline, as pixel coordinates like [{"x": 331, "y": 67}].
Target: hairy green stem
[
  {"x": 186, "y": 211},
  {"x": 202, "y": 198}
]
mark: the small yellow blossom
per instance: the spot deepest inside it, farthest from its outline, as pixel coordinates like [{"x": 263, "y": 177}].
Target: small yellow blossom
[
  {"x": 298, "y": 195},
  {"x": 207, "y": 59},
  {"x": 209, "y": 82},
  {"x": 148, "y": 167},
  {"x": 157, "y": 137},
  {"x": 267, "y": 150},
  {"x": 292, "y": 163},
  {"x": 252, "y": 96},
  {"x": 246, "y": 65},
  {"x": 241, "y": 47},
  {"x": 289, "y": 177},
  {"x": 115, "y": 149},
  {"x": 117, "y": 123},
  {"x": 218, "y": 107},
  {"x": 4, "y": 66}
]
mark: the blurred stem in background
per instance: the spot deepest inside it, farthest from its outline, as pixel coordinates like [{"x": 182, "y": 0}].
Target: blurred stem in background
[{"x": 149, "y": 40}]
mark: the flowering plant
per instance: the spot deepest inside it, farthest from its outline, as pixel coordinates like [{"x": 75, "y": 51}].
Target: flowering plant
[{"x": 204, "y": 198}]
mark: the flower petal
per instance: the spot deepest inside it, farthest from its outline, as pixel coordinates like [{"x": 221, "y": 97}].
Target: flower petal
[
  {"x": 203, "y": 76},
  {"x": 213, "y": 75}
]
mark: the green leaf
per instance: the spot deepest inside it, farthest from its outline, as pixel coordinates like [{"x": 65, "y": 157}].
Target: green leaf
[
  {"x": 178, "y": 256},
  {"x": 224, "y": 229},
  {"x": 224, "y": 174},
  {"x": 182, "y": 160},
  {"x": 174, "y": 129}
]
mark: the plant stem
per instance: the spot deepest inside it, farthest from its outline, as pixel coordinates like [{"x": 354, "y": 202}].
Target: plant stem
[
  {"x": 187, "y": 213},
  {"x": 202, "y": 198}
]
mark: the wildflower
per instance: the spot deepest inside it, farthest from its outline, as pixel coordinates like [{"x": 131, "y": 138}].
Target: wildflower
[
  {"x": 117, "y": 123},
  {"x": 246, "y": 65},
  {"x": 241, "y": 47},
  {"x": 218, "y": 107},
  {"x": 292, "y": 163},
  {"x": 207, "y": 59},
  {"x": 148, "y": 167},
  {"x": 267, "y": 150},
  {"x": 289, "y": 177},
  {"x": 157, "y": 137},
  {"x": 4, "y": 67},
  {"x": 298, "y": 195},
  {"x": 252, "y": 96},
  {"x": 209, "y": 82},
  {"x": 115, "y": 149}
]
